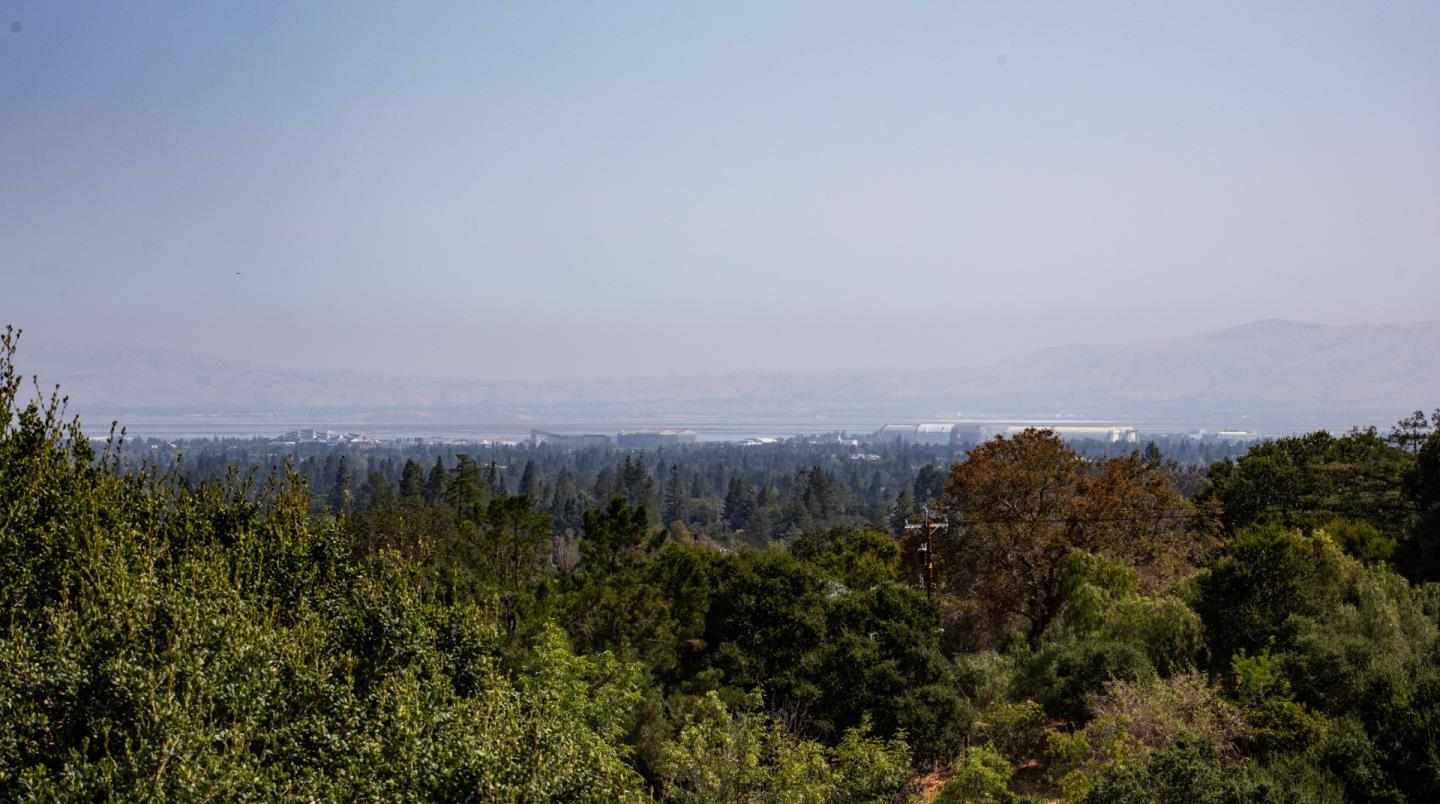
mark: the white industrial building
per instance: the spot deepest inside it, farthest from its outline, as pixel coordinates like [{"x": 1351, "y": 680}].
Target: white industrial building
[
  {"x": 933, "y": 434},
  {"x": 974, "y": 433},
  {"x": 573, "y": 440},
  {"x": 1230, "y": 436},
  {"x": 1104, "y": 433},
  {"x": 310, "y": 435},
  {"x": 651, "y": 439}
]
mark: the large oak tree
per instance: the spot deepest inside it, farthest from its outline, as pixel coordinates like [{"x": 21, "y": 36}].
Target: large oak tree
[{"x": 1019, "y": 506}]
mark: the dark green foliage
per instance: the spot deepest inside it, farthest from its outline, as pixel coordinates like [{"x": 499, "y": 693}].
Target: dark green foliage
[
  {"x": 617, "y": 601},
  {"x": 1351, "y": 755},
  {"x": 827, "y": 657},
  {"x": 1355, "y": 644},
  {"x": 776, "y": 494},
  {"x": 1422, "y": 483},
  {"x": 878, "y": 660},
  {"x": 412, "y": 481},
  {"x": 929, "y": 483},
  {"x": 740, "y": 504},
  {"x": 902, "y": 512},
  {"x": 675, "y": 498},
  {"x": 1411, "y": 432},
  {"x": 1190, "y": 771},
  {"x": 378, "y": 492},
  {"x": 764, "y": 620},
  {"x": 1152, "y": 454},
  {"x": 1263, "y": 578},
  {"x": 514, "y": 548},
  {"x": 1361, "y": 540},
  {"x": 341, "y": 493},
  {"x": 464, "y": 490},
  {"x": 1109, "y": 632},
  {"x": 435, "y": 482},
  {"x": 530, "y": 484},
  {"x": 1419, "y": 555},
  {"x": 735, "y": 753},
  {"x": 858, "y": 559},
  {"x": 616, "y": 539},
  {"x": 1064, "y": 676},
  {"x": 215, "y": 643},
  {"x": 1306, "y": 481}
]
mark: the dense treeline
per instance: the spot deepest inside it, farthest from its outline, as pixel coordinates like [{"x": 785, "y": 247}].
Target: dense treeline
[
  {"x": 725, "y": 494},
  {"x": 170, "y": 640},
  {"x": 1092, "y": 628}
]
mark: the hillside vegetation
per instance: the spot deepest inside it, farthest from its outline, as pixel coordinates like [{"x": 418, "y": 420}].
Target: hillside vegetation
[{"x": 1087, "y": 631}]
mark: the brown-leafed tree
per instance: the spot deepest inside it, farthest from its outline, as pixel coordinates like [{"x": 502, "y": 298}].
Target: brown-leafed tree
[{"x": 1019, "y": 506}]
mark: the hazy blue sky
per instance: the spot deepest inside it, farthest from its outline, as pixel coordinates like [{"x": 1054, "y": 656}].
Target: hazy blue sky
[{"x": 530, "y": 189}]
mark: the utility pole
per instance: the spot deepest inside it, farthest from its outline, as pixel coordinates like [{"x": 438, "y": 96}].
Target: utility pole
[
  {"x": 925, "y": 552},
  {"x": 929, "y": 553}
]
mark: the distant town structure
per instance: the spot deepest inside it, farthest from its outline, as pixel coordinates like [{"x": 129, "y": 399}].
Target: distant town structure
[
  {"x": 310, "y": 435},
  {"x": 1111, "y": 434},
  {"x": 972, "y": 433},
  {"x": 652, "y": 439},
  {"x": 976, "y": 433},
  {"x": 933, "y": 434},
  {"x": 1229, "y": 436},
  {"x": 633, "y": 439},
  {"x": 573, "y": 440}
]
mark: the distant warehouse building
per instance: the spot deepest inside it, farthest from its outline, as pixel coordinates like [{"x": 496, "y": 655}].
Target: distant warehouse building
[
  {"x": 1076, "y": 432},
  {"x": 1226, "y": 436},
  {"x": 975, "y": 433},
  {"x": 931, "y": 434},
  {"x": 653, "y": 439},
  {"x": 972, "y": 434},
  {"x": 310, "y": 435},
  {"x": 575, "y": 440}
]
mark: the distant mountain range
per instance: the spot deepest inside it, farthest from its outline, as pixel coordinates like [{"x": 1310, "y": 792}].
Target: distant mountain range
[{"x": 1271, "y": 371}]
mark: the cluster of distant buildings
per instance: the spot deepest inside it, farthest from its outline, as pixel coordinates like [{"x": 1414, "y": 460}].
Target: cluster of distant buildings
[
  {"x": 310, "y": 435},
  {"x": 957, "y": 434},
  {"x": 1223, "y": 436},
  {"x": 929, "y": 434},
  {"x": 632, "y": 439}
]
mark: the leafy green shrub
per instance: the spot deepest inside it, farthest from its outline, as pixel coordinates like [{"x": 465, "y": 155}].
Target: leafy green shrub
[
  {"x": 1248, "y": 596},
  {"x": 1189, "y": 771},
  {"x": 1353, "y": 757},
  {"x": 1015, "y": 730},
  {"x": 1109, "y": 632},
  {"x": 859, "y": 559},
  {"x": 832, "y": 657},
  {"x": 1362, "y": 540},
  {"x": 725, "y": 755},
  {"x": 1065, "y": 674},
  {"x": 979, "y": 774},
  {"x": 1306, "y": 481},
  {"x": 172, "y": 642},
  {"x": 1134, "y": 723},
  {"x": 1282, "y": 726},
  {"x": 866, "y": 768},
  {"x": 987, "y": 677}
]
